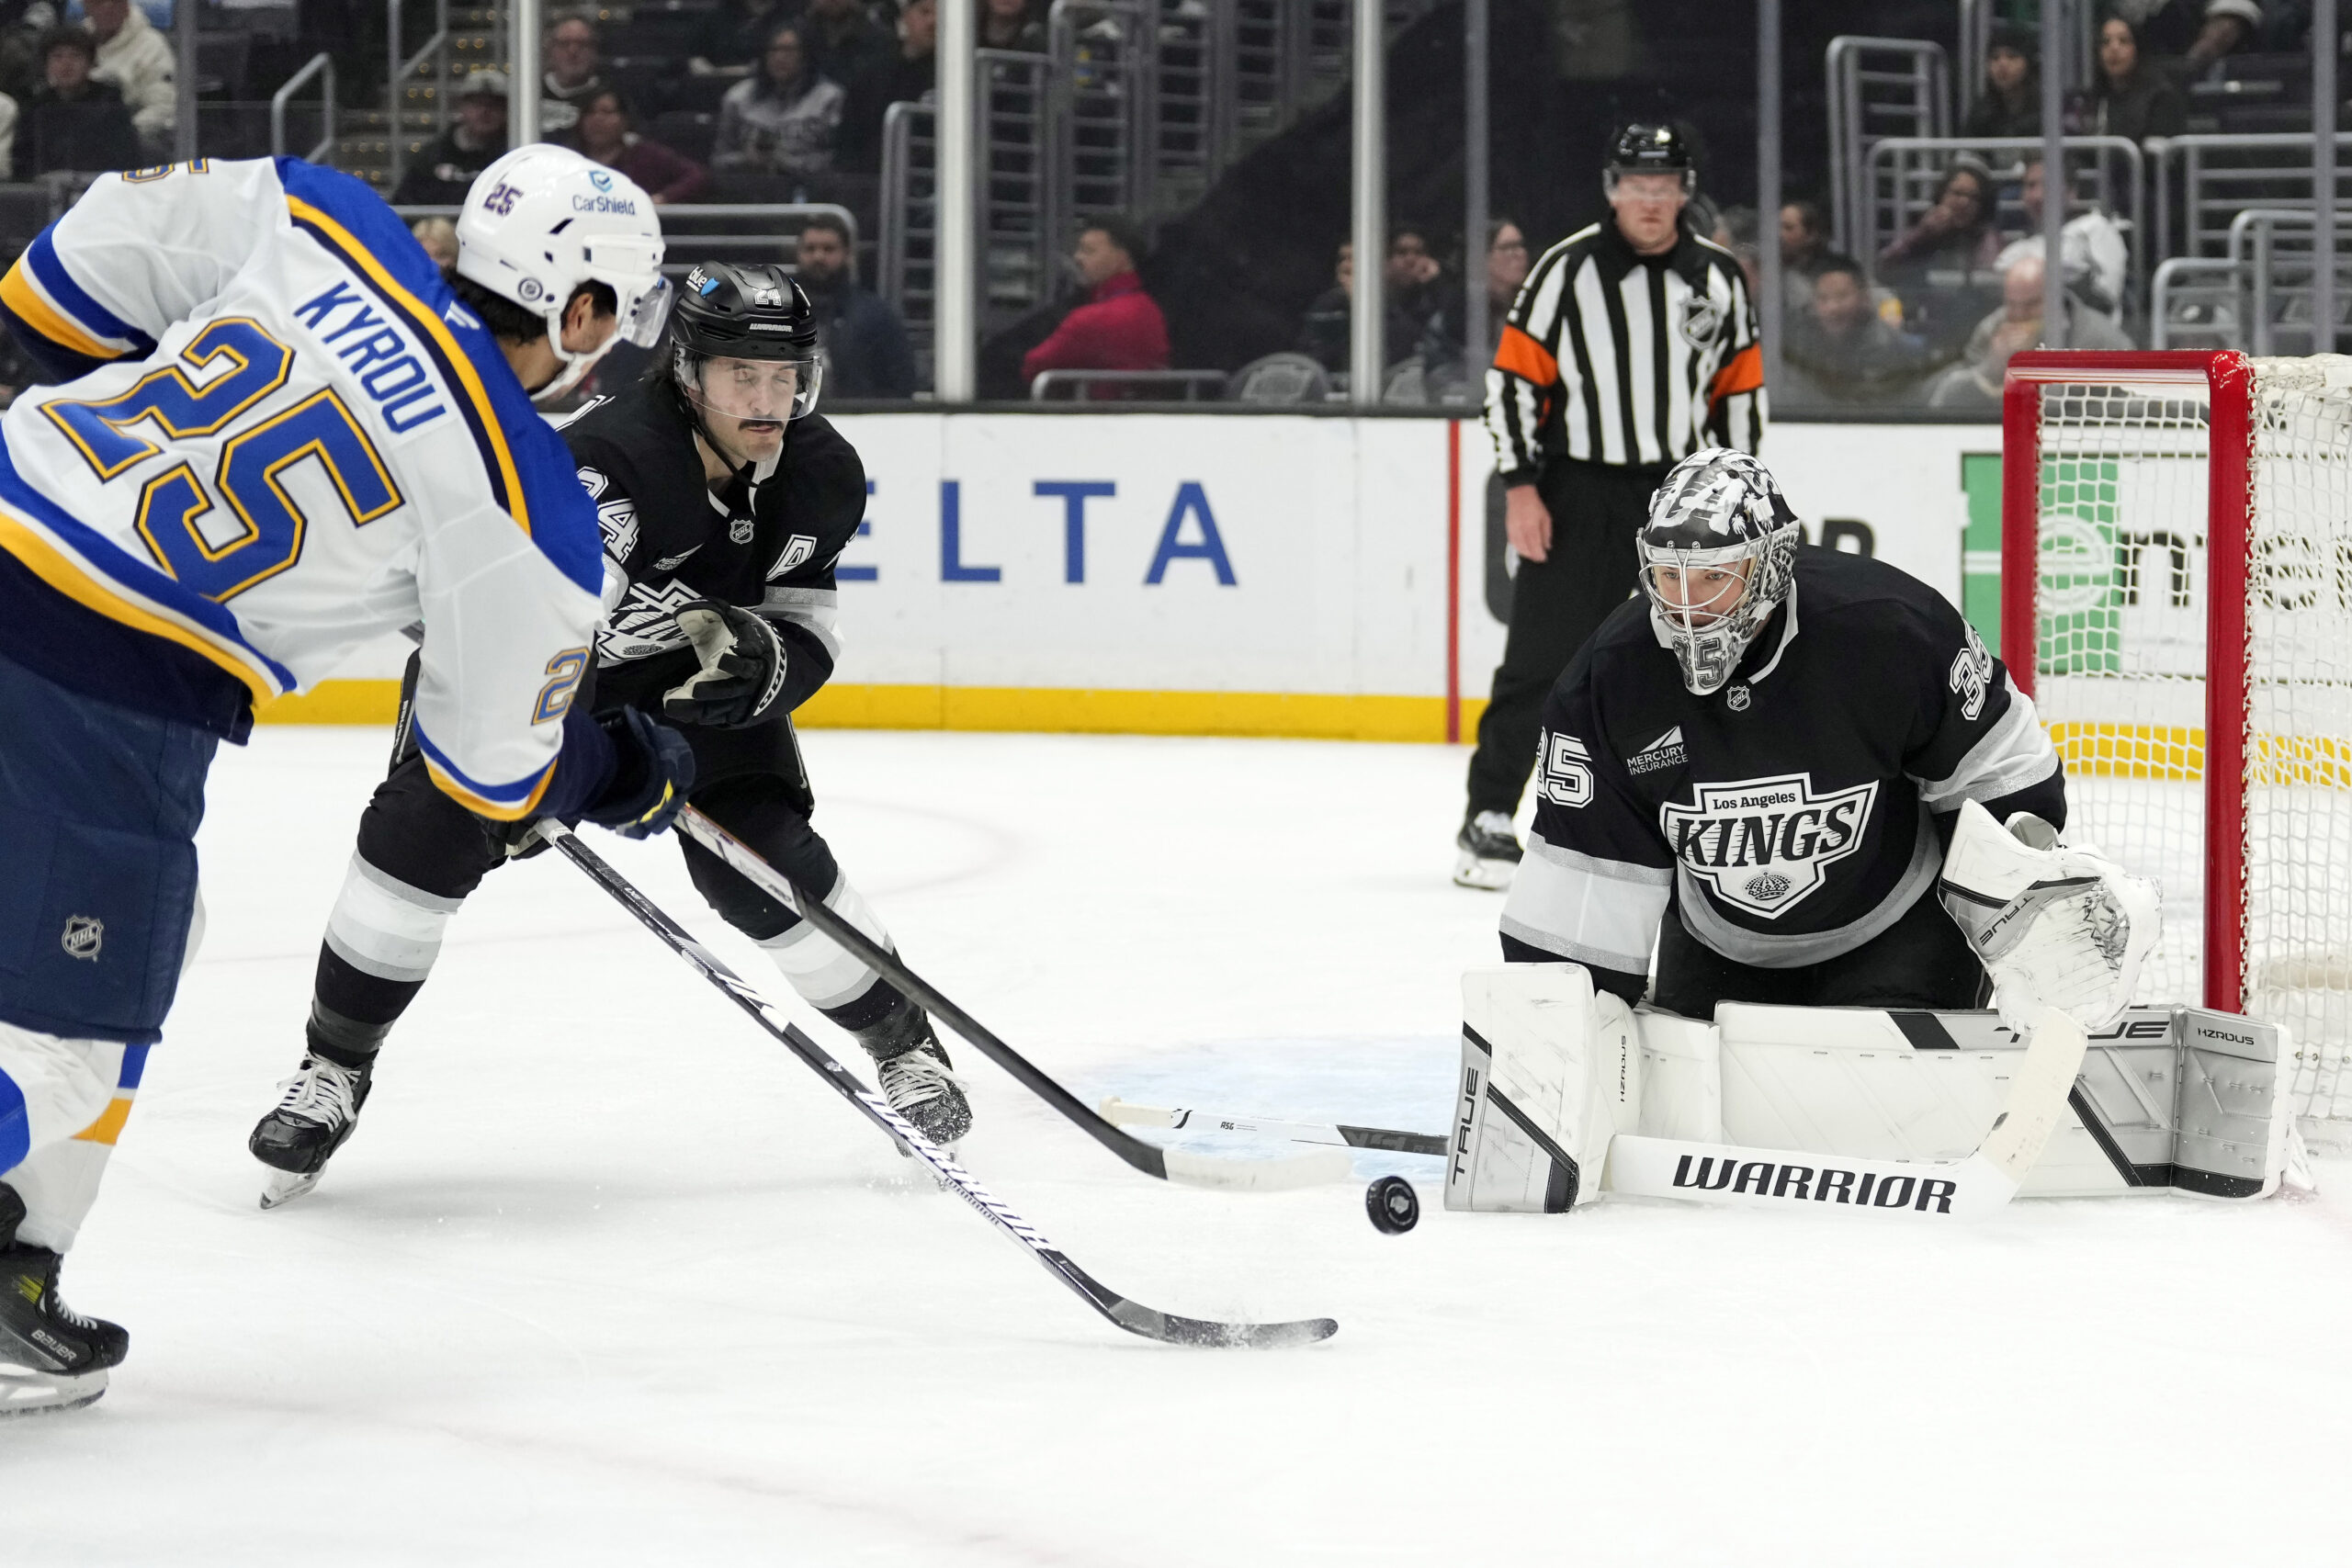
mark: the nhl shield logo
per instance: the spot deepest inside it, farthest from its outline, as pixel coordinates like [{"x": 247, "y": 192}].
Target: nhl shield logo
[
  {"x": 739, "y": 530},
  {"x": 85, "y": 934},
  {"x": 1702, "y": 319},
  {"x": 1761, "y": 845},
  {"x": 1737, "y": 698}
]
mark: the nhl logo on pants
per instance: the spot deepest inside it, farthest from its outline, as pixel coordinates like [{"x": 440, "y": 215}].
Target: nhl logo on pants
[{"x": 85, "y": 934}]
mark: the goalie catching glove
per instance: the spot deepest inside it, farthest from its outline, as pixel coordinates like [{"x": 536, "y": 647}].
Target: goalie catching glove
[
  {"x": 2054, "y": 926},
  {"x": 742, "y": 668}
]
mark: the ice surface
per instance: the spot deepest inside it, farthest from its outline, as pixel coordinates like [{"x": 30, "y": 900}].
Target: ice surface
[{"x": 606, "y": 1278}]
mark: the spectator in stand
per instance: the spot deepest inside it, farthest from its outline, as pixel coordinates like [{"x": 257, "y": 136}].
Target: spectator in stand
[
  {"x": 908, "y": 74},
  {"x": 1507, "y": 263},
  {"x": 439, "y": 238},
  {"x": 475, "y": 139},
  {"x": 1012, "y": 24},
  {"x": 2012, "y": 102},
  {"x": 23, "y": 24},
  {"x": 1408, "y": 310},
  {"x": 1942, "y": 267},
  {"x": 574, "y": 55},
  {"x": 1804, "y": 251},
  {"x": 2198, "y": 32},
  {"x": 1975, "y": 381},
  {"x": 845, "y": 44},
  {"x": 2096, "y": 254},
  {"x": 733, "y": 36},
  {"x": 866, "y": 354},
  {"x": 2131, "y": 96},
  {"x": 1842, "y": 351},
  {"x": 1117, "y": 326},
  {"x": 786, "y": 120},
  {"x": 74, "y": 121},
  {"x": 607, "y": 132},
  {"x": 142, "y": 65}
]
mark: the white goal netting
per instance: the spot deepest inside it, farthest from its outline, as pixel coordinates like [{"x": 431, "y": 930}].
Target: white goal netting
[{"x": 2123, "y": 669}]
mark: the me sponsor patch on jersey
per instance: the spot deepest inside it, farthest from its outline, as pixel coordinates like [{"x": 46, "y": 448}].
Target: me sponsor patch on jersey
[
  {"x": 1665, "y": 751},
  {"x": 1763, "y": 844}
]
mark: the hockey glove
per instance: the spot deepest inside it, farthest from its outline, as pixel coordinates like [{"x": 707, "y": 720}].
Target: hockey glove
[
  {"x": 652, "y": 770},
  {"x": 742, "y": 668}
]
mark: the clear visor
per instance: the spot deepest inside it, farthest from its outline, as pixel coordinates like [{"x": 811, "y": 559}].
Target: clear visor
[
  {"x": 754, "y": 391},
  {"x": 1698, "y": 589},
  {"x": 643, "y": 318}
]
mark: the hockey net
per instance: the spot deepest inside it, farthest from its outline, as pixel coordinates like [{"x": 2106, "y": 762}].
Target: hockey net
[{"x": 2176, "y": 555}]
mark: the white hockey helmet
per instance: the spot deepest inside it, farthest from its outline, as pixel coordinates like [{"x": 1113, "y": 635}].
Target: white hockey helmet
[
  {"x": 1717, "y": 519},
  {"x": 541, "y": 222}
]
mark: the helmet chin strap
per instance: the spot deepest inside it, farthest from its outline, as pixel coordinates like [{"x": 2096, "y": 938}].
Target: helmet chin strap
[{"x": 575, "y": 366}]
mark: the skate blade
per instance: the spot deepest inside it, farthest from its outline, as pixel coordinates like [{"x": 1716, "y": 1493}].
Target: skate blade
[
  {"x": 26, "y": 1393},
  {"x": 284, "y": 1185},
  {"x": 1489, "y": 876}
]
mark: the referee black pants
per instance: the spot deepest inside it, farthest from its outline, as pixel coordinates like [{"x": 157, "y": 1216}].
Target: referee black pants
[{"x": 1556, "y": 604}]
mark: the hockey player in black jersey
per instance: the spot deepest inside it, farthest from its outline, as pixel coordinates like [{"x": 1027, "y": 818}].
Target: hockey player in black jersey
[
  {"x": 1755, "y": 764},
  {"x": 724, "y": 502}
]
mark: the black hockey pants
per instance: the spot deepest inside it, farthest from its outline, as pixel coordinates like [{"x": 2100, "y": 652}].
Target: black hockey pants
[
  {"x": 1920, "y": 961},
  {"x": 1556, "y": 604},
  {"x": 751, "y": 782}
]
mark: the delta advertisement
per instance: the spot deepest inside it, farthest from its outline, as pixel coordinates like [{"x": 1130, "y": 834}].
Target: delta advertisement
[{"x": 1261, "y": 575}]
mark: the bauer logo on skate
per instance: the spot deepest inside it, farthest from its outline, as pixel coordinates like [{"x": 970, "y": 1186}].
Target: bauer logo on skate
[
  {"x": 1810, "y": 1184},
  {"x": 1763, "y": 844}
]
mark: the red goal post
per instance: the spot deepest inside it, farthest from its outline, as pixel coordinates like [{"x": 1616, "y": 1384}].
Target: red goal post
[{"x": 2176, "y": 596}]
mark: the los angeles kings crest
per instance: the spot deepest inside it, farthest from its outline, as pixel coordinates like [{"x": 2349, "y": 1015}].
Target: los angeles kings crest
[{"x": 1762, "y": 845}]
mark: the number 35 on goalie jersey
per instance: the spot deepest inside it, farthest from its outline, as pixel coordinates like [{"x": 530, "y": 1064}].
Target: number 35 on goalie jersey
[
  {"x": 1788, "y": 817},
  {"x": 288, "y": 437}
]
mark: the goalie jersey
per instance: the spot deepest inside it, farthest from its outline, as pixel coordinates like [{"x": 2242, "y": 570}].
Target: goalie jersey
[
  {"x": 1788, "y": 817},
  {"x": 286, "y": 438},
  {"x": 670, "y": 539}
]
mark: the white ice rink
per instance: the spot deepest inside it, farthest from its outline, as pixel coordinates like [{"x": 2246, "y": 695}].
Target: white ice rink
[{"x": 605, "y": 1278}]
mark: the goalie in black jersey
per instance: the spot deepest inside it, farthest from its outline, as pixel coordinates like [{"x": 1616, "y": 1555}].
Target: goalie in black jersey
[
  {"x": 1755, "y": 765},
  {"x": 724, "y": 501}
]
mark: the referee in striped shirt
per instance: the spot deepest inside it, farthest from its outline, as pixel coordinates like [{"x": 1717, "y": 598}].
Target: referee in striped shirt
[{"x": 1633, "y": 344}]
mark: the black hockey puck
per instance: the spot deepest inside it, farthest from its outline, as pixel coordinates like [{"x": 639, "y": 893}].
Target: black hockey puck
[{"x": 1394, "y": 1206}]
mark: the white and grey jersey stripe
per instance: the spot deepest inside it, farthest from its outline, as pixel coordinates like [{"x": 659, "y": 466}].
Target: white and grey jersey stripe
[
  {"x": 2014, "y": 755},
  {"x": 816, "y": 610},
  {"x": 1579, "y": 907},
  {"x": 1610, "y": 357}
]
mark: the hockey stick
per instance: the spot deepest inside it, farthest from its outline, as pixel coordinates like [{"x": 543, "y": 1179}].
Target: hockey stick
[
  {"x": 1386, "y": 1138},
  {"x": 1133, "y": 1316},
  {"x": 1967, "y": 1189},
  {"x": 1168, "y": 1165}
]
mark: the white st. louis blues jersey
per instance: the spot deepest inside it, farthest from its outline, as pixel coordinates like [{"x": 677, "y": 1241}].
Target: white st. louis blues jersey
[{"x": 300, "y": 440}]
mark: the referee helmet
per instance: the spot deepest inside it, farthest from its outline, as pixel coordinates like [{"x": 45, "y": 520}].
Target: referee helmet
[{"x": 1645, "y": 148}]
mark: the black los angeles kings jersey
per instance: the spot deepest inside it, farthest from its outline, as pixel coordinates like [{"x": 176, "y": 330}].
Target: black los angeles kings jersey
[
  {"x": 1788, "y": 817},
  {"x": 670, "y": 540}
]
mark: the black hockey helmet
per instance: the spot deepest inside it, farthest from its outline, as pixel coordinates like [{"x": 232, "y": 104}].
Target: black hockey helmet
[
  {"x": 1643, "y": 148},
  {"x": 1718, "y": 519},
  {"x": 731, "y": 312}
]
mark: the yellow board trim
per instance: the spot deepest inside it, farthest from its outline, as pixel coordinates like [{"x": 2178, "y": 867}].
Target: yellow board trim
[
  {"x": 2176, "y": 752},
  {"x": 428, "y": 321},
  {"x": 109, "y": 1126},
  {"x": 1050, "y": 711},
  {"x": 18, "y": 291},
  {"x": 53, "y": 567}
]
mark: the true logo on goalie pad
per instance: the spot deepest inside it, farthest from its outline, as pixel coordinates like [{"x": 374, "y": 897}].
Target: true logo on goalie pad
[{"x": 1763, "y": 844}]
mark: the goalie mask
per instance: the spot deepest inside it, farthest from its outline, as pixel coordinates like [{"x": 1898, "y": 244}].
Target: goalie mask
[{"x": 1717, "y": 555}]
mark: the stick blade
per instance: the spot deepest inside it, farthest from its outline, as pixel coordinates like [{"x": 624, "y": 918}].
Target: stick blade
[
  {"x": 1169, "y": 1330},
  {"x": 1259, "y": 1175}
]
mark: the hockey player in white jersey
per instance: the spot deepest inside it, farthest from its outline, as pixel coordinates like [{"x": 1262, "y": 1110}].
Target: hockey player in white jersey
[{"x": 282, "y": 434}]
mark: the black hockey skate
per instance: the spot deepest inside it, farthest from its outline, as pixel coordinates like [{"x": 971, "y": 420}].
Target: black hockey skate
[
  {"x": 913, "y": 1068},
  {"x": 1489, "y": 854},
  {"x": 317, "y": 1112},
  {"x": 51, "y": 1357}
]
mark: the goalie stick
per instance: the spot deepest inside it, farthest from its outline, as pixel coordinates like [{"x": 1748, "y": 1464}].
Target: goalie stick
[
  {"x": 1341, "y": 1133},
  {"x": 1167, "y": 1165},
  {"x": 1136, "y": 1318}
]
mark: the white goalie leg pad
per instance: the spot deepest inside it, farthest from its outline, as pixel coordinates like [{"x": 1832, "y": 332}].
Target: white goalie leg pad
[
  {"x": 1682, "y": 1080},
  {"x": 2054, "y": 926},
  {"x": 1550, "y": 1072}
]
